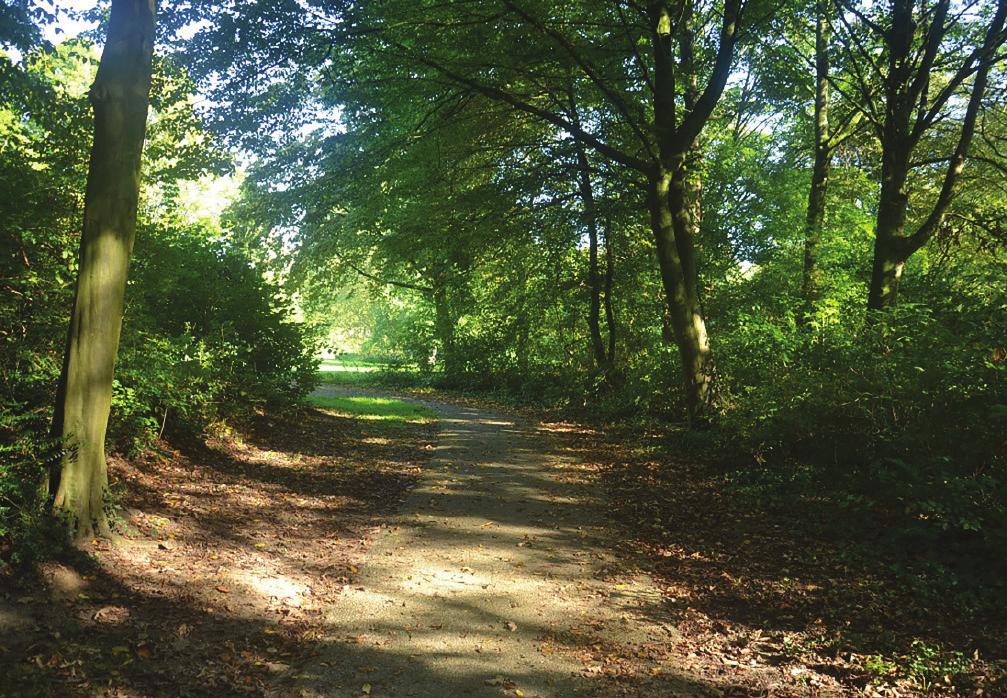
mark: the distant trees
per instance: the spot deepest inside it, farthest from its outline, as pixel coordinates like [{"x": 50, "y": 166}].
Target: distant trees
[
  {"x": 637, "y": 92},
  {"x": 656, "y": 137},
  {"x": 665, "y": 140}
]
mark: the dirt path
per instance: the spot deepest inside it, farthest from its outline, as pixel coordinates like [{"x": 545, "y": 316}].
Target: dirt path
[{"x": 494, "y": 580}]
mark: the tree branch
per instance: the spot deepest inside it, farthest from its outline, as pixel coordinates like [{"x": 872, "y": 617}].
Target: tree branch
[
  {"x": 616, "y": 99},
  {"x": 386, "y": 282},
  {"x": 957, "y": 163},
  {"x": 590, "y": 139},
  {"x": 693, "y": 123}
]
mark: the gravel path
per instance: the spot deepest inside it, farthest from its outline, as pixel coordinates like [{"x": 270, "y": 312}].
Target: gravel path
[{"x": 495, "y": 580}]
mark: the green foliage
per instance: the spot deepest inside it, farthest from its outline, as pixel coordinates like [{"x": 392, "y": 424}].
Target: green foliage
[
  {"x": 205, "y": 336},
  {"x": 931, "y": 667},
  {"x": 879, "y": 667},
  {"x": 414, "y": 214},
  {"x": 897, "y": 412},
  {"x": 26, "y": 455}
]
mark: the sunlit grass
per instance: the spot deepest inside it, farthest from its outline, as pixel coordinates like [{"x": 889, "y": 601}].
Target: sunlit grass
[
  {"x": 350, "y": 366},
  {"x": 380, "y": 408},
  {"x": 353, "y": 369}
]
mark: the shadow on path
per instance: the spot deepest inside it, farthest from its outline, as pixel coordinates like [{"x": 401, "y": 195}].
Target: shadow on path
[{"x": 494, "y": 580}]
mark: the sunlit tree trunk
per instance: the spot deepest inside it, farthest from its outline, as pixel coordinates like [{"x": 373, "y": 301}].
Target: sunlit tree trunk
[
  {"x": 119, "y": 97},
  {"x": 670, "y": 215},
  {"x": 673, "y": 194},
  {"x": 814, "y": 222}
]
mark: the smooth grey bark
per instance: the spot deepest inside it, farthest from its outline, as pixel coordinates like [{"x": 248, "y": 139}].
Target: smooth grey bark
[{"x": 120, "y": 99}]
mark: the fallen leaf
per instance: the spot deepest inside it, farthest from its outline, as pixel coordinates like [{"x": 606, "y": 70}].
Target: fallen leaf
[{"x": 111, "y": 614}]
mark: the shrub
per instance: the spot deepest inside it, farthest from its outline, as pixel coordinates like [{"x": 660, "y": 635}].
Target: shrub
[{"x": 899, "y": 411}]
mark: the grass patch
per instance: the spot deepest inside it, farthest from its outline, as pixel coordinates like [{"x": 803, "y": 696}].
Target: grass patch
[
  {"x": 349, "y": 365},
  {"x": 357, "y": 370},
  {"x": 380, "y": 408}
]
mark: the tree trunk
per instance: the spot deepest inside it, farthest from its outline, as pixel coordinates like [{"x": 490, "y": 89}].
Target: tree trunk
[
  {"x": 907, "y": 88},
  {"x": 889, "y": 232},
  {"x": 609, "y": 308},
  {"x": 445, "y": 326},
  {"x": 670, "y": 217},
  {"x": 811, "y": 282},
  {"x": 673, "y": 198},
  {"x": 593, "y": 275},
  {"x": 120, "y": 97},
  {"x": 523, "y": 329},
  {"x": 886, "y": 274}
]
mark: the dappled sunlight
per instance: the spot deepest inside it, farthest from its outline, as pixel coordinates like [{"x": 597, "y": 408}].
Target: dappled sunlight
[
  {"x": 491, "y": 579},
  {"x": 531, "y": 348},
  {"x": 273, "y": 587},
  {"x": 234, "y": 547},
  {"x": 373, "y": 408}
]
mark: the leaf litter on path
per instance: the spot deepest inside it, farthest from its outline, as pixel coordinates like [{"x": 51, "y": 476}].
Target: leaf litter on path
[{"x": 231, "y": 548}]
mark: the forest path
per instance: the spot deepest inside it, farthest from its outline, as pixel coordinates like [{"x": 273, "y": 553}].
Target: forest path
[{"x": 495, "y": 580}]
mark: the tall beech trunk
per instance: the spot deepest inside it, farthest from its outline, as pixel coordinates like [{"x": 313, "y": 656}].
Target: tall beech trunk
[
  {"x": 120, "y": 98},
  {"x": 674, "y": 191},
  {"x": 889, "y": 230},
  {"x": 671, "y": 225},
  {"x": 814, "y": 222}
]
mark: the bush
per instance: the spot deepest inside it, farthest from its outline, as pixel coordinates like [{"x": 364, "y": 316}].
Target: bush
[
  {"x": 900, "y": 412},
  {"x": 205, "y": 338}
]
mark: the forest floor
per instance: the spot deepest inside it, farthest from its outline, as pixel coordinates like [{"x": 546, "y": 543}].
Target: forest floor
[
  {"x": 232, "y": 550},
  {"x": 364, "y": 548}
]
